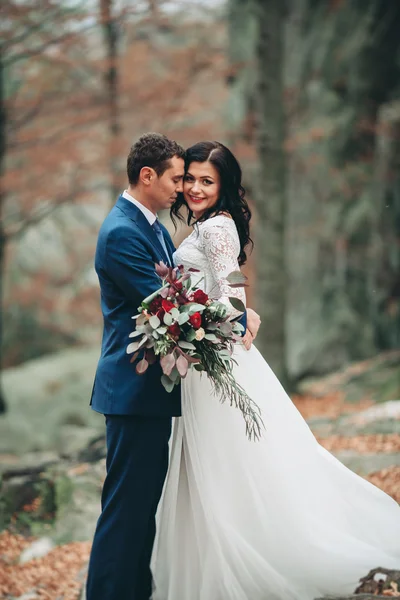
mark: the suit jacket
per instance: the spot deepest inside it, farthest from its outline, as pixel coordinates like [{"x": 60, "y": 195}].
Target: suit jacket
[{"x": 127, "y": 250}]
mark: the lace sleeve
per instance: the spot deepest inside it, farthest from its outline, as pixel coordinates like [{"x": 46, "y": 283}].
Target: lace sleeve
[{"x": 221, "y": 247}]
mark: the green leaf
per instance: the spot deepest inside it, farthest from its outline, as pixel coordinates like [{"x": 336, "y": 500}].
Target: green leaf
[
  {"x": 154, "y": 321},
  {"x": 211, "y": 337},
  {"x": 142, "y": 341},
  {"x": 135, "y": 334},
  {"x": 168, "y": 319},
  {"x": 191, "y": 335},
  {"x": 236, "y": 277},
  {"x": 185, "y": 308},
  {"x": 174, "y": 376},
  {"x": 167, "y": 383},
  {"x": 237, "y": 304},
  {"x": 196, "y": 308},
  {"x": 174, "y": 313},
  {"x": 186, "y": 345},
  {"x": 183, "y": 318},
  {"x": 161, "y": 330},
  {"x": 132, "y": 347}
]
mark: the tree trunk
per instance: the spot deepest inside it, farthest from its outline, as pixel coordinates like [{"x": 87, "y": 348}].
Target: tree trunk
[
  {"x": 270, "y": 191},
  {"x": 340, "y": 71},
  {"x": 241, "y": 77},
  {"x": 110, "y": 33},
  {"x": 2, "y": 234}
]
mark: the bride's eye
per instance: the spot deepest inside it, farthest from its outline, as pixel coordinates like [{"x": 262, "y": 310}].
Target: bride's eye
[
  {"x": 208, "y": 181},
  {"x": 188, "y": 178}
]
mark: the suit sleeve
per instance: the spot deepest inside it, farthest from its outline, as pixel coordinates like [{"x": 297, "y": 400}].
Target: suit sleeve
[{"x": 129, "y": 264}]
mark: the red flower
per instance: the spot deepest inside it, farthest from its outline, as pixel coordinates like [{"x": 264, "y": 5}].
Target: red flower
[
  {"x": 195, "y": 320},
  {"x": 155, "y": 305},
  {"x": 174, "y": 330},
  {"x": 167, "y": 305},
  {"x": 178, "y": 285},
  {"x": 200, "y": 297}
]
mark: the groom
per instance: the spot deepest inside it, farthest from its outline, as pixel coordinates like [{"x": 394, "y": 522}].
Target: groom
[{"x": 137, "y": 408}]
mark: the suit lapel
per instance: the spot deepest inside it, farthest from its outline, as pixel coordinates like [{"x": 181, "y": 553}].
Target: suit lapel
[{"x": 136, "y": 215}]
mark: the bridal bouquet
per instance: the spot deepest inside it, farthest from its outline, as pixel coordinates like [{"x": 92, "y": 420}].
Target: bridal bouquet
[{"x": 180, "y": 326}]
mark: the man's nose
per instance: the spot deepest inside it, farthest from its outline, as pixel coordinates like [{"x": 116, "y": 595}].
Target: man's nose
[{"x": 179, "y": 187}]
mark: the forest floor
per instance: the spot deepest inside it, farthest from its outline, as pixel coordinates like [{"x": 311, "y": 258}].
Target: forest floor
[{"x": 60, "y": 574}]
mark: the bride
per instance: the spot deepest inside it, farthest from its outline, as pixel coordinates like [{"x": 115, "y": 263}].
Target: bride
[{"x": 275, "y": 519}]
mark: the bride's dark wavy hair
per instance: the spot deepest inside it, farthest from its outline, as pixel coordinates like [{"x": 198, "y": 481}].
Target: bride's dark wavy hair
[{"x": 232, "y": 195}]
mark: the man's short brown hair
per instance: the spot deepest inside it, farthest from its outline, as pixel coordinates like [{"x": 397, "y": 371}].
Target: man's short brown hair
[{"x": 151, "y": 150}]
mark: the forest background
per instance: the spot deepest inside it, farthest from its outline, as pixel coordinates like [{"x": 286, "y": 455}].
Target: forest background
[{"x": 307, "y": 95}]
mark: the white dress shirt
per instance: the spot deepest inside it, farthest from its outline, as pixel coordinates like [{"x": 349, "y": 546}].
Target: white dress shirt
[{"x": 151, "y": 217}]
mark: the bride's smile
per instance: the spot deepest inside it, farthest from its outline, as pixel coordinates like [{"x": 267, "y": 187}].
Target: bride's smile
[{"x": 201, "y": 187}]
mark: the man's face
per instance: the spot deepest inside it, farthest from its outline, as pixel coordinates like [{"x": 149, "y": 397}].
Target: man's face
[{"x": 164, "y": 189}]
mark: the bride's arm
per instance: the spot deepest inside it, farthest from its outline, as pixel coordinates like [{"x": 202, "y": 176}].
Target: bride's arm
[{"x": 221, "y": 246}]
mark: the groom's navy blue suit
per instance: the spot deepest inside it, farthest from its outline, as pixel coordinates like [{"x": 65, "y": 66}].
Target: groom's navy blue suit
[{"x": 138, "y": 410}]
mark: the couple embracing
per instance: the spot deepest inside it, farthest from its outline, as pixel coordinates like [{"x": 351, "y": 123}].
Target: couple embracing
[{"x": 191, "y": 508}]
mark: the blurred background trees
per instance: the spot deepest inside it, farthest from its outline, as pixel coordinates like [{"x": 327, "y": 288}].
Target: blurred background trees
[
  {"x": 340, "y": 186},
  {"x": 307, "y": 94}
]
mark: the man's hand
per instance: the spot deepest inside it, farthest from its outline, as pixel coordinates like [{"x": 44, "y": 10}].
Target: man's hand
[{"x": 253, "y": 323}]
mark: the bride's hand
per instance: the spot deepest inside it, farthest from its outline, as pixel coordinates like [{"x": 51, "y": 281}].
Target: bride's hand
[{"x": 253, "y": 322}]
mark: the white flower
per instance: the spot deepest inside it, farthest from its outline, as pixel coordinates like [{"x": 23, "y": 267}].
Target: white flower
[{"x": 200, "y": 333}]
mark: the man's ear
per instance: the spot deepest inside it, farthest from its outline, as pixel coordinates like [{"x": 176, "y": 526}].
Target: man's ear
[{"x": 146, "y": 175}]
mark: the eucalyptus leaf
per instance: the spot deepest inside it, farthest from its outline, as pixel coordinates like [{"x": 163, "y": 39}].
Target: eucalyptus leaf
[
  {"x": 175, "y": 313},
  {"x": 142, "y": 366},
  {"x": 182, "y": 365},
  {"x": 142, "y": 341},
  {"x": 186, "y": 345},
  {"x": 134, "y": 357},
  {"x": 191, "y": 335},
  {"x": 167, "y": 383},
  {"x": 237, "y": 304},
  {"x": 185, "y": 308},
  {"x": 226, "y": 328},
  {"x": 154, "y": 321},
  {"x": 174, "y": 375},
  {"x": 168, "y": 320},
  {"x": 167, "y": 363},
  {"x": 211, "y": 337},
  {"x": 196, "y": 308},
  {"x": 161, "y": 330},
  {"x": 135, "y": 334},
  {"x": 183, "y": 318},
  {"x": 132, "y": 347},
  {"x": 236, "y": 277}
]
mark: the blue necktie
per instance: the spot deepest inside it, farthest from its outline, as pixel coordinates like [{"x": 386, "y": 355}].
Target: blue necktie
[{"x": 160, "y": 235}]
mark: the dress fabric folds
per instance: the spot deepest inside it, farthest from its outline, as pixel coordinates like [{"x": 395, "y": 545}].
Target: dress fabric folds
[{"x": 275, "y": 519}]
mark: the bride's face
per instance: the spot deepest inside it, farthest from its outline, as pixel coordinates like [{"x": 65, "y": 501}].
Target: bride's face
[{"x": 201, "y": 187}]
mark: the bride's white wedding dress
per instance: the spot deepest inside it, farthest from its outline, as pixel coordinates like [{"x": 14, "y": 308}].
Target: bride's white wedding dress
[{"x": 275, "y": 519}]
